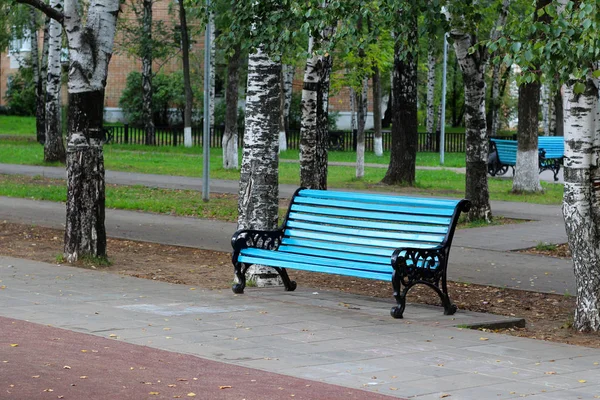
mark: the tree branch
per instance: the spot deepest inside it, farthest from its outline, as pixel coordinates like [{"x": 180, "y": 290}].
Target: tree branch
[{"x": 45, "y": 8}]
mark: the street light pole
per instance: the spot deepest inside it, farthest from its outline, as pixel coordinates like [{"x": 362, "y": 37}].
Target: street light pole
[
  {"x": 206, "y": 125},
  {"x": 443, "y": 111}
]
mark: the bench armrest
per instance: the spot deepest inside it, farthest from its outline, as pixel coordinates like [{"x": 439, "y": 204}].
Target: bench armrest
[
  {"x": 413, "y": 264},
  {"x": 245, "y": 238}
]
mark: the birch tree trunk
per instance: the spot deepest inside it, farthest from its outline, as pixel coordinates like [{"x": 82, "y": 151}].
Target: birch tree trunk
[
  {"x": 147, "y": 73},
  {"x": 314, "y": 132},
  {"x": 230, "y": 135},
  {"x": 545, "y": 100},
  {"x": 353, "y": 124},
  {"x": 289, "y": 71},
  {"x": 54, "y": 149},
  {"x": 282, "y": 135},
  {"x": 473, "y": 67},
  {"x": 189, "y": 96},
  {"x": 401, "y": 169},
  {"x": 404, "y": 122},
  {"x": 558, "y": 116},
  {"x": 377, "y": 138},
  {"x": 40, "y": 109},
  {"x": 90, "y": 49},
  {"x": 527, "y": 178},
  {"x": 361, "y": 119},
  {"x": 258, "y": 202},
  {"x": 40, "y": 127},
  {"x": 492, "y": 121},
  {"x": 581, "y": 203},
  {"x": 430, "y": 122}
]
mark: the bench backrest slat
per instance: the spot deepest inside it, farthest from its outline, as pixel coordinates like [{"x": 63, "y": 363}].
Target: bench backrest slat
[
  {"x": 379, "y": 198},
  {"x": 413, "y": 209},
  {"x": 365, "y": 233},
  {"x": 369, "y": 224},
  {"x": 382, "y": 216}
]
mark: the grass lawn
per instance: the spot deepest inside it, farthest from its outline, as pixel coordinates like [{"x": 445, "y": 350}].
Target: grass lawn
[
  {"x": 13, "y": 125},
  {"x": 176, "y": 161}
]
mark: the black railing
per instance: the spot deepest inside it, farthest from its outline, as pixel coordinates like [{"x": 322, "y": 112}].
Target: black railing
[{"x": 338, "y": 140}]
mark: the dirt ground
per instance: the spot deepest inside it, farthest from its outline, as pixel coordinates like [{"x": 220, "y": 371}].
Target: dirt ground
[{"x": 548, "y": 316}]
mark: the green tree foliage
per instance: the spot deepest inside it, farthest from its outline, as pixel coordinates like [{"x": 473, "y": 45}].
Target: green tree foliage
[
  {"x": 20, "y": 96},
  {"x": 168, "y": 94},
  {"x": 567, "y": 48}
]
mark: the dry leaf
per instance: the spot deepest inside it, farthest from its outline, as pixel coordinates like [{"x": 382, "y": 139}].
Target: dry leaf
[
  {"x": 172, "y": 385},
  {"x": 484, "y": 338},
  {"x": 35, "y": 376},
  {"x": 445, "y": 395},
  {"x": 14, "y": 345},
  {"x": 48, "y": 390},
  {"x": 154, "y": 393},
  {"x": 84, "y": 351},
  {"x": 66, "y": 367},
  {"x": 112, "y": 335},
  {"x": 181, "y": 379},
  {"x": 550, "y": 373},
  {"x": 191, "y": 394},
  {"x": 83, "y": 377},
  {"x": 582, "y": 381},
  {"x": 224, "y": 387}
]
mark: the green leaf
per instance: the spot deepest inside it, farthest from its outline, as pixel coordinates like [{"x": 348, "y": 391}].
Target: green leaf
[
  {"x": 579, "y": 88},
  {"x": 596, "y": 74}
]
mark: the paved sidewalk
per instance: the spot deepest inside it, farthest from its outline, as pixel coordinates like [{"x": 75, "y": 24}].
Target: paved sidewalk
[{"x": 334, "y": 338}]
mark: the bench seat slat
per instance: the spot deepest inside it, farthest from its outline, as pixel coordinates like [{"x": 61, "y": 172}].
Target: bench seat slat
[
  {"x": 315, "y": 244},
  {"x": 316, "y": 268},
  {"x": 364, "y": 232},
  {"x": 341, "y": 255},
  {"x": 382, "y": 216},
  {"x": 328, "y": 237},
  {"x": 318, "y": 260},
  {"x": 368, "y": 224},
  {"x": 398, "y": 200},
  {"x": 375, "y": 207}
]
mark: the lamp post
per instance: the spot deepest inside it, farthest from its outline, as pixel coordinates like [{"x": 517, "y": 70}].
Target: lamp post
[{"x": 206, "y": 125}]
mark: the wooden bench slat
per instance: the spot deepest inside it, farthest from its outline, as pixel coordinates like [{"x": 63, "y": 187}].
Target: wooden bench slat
[
  {"x": 365, "y": 233},
  {"x": 369, "y": 224},
  {"x": 342, "y": 255},
  {"x": 307, "y": 243},
  {"x": 443, "y": 212},
  {"x": 397, "y": 200},
  {"x": 317, "y": 268},
  {"x": 317, "y": 260},
  {"x": 382, "y": 216},
  {"x": 328, "y": 237}
]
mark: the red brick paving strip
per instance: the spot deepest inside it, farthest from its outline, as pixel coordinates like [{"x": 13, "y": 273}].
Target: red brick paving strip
[{"x": 43, "y": 362}]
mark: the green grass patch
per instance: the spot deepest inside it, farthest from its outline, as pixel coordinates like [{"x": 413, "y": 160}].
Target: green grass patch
[
  {"x": 188, "y": 162},
  {"x": 541, "y": 246},
  {"x": 14, "y": 125}
]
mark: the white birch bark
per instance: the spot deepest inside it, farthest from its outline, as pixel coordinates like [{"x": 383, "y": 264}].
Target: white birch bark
[
  {"x": 54, "y": 149},
  {"x": 360, "y": 135},
  {"x": 476, "y": 131},
  {"x": 581, "y": 203},
  {"x": 289, "y": 71},
  {"x": 314, "y": 130},
  {"x": 230, "y": 134},
  {"x": 545, "y": 99},
  {"x": 258, "y": 202},
  {"x": 90, "y": 50},
  {"x": 353, "y": 124},
  {"x": 377, "y": 136},
  {"x": 431, "y": 61}
]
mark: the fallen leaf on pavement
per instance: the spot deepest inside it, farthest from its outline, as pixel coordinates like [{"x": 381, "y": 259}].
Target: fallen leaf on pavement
[{"x": 224, "y": 387}]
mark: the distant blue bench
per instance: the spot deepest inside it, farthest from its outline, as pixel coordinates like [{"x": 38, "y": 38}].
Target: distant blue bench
[
  {"x": 504, "y": 154},
  {"x": 385, "y": 237}
]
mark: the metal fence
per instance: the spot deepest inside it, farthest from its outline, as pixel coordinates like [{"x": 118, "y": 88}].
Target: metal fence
[{"x": 338, "y": 140}]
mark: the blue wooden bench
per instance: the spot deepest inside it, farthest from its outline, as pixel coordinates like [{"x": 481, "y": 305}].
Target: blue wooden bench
[
  {"x": 385, "y": 237},
  {"x": 504, "y": 154}
]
